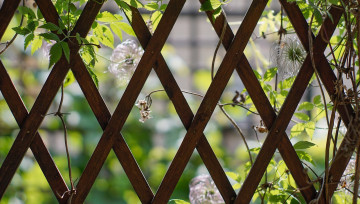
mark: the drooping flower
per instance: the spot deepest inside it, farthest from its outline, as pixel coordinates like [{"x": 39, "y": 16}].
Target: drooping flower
[
  {"x": 288, "y": 56},
  {"x": 125, "y": 59},
  {"x": 204, "y": 191},
  {"x": 144, "y": 110}
]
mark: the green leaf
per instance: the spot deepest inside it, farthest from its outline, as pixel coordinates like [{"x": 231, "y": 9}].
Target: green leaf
[
  {"x": 50, "y": 36},
  {"x": 125, "y": 7},
  {"x": 116, "y": 28},
  {"x": 134, "y": 3},
  {"x": 104, "y": 35},
  {"x": 106, "y": 17},
  {"x": 21, "y": 30},
  {"x": 69, "y": 79},
  {"x": 234, "y": 176},
  {"x": 66, "y": 50},
  {"x": 126, "y": 28},
  {"x": 310, "y": 128},
  {"x": 36, "y": 44},
  {"x": 317, "y": 100},
  {"x": 306, "y": 106},
  {"x": 78, "y": 38},
  {"x": 152, "y": 6},
  {"x": 28, "y": 39},
  {"x": 302, "y": 116},
  {"x": 27, "y": 11},
  {"x": 93, "y": 76},
  {"x": 178, "y": 201},
  {"x": 50, "y": 26},
  {"x": 303, "y": 145},
  {"x": 297, "y": 129},
  {"x": 39, "y": 14},
  {"x": 163, "y": 7},
  {"x": 32, "y": 25},
  {"x": 305, "y": 156},
  {"x": 55, "y": 54},
  {"x": 318, "y": 16},
  {"x": 72, "y": 7},
  {"x": 258, "y": 76},
  {"x": 210, "y": 5},
  {"x": 270, "y": 73},
  {"x": 155, "y": 19}
]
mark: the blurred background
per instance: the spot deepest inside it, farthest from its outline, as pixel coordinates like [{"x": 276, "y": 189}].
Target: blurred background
[{"x": 189, "y": 51}]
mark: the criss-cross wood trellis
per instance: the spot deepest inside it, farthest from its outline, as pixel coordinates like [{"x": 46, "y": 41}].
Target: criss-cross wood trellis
[{"x": 29, "y": 122}]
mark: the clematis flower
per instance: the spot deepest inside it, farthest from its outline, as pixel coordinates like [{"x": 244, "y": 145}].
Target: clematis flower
[
  {"x": 288, "y": 56},
  {"x": 204, "y": 191},
  {"x": 125, "y": 59},
  {"x": 144, "y": 110}
]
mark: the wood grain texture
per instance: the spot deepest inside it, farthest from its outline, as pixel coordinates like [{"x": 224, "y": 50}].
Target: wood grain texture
[
  {"x": 209, "y": 102},
  {"x": 183, "y": 109},
  {"x": 266, "y": 112},
  {"x": 132, "y": 91},
  {"x": 32, "y": 122},
  {"x": 7, "y": 12},
  {"x": 38, "y": 148},
  {"x": 287, "y": 110},
  {"x": 328, "y": 77}
]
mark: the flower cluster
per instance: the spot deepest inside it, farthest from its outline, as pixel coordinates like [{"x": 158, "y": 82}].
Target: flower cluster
[
  {"x": 204, "y": 191},
  {"x": 288, "y": 56},
  {"x": 125, "y": 59},
  {"x": 144, "y": 110}
]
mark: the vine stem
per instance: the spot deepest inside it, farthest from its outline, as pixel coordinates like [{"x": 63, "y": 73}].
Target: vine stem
[
  {"x": 61, "y": 116},
  {"x": 223, "y": 31}
]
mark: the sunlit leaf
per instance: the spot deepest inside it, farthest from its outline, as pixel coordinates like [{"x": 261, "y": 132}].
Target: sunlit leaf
[
  {"x": 306, "y": 106},
  {"x": 302, "y": 116},
  {"x": 303, "y": 145}
]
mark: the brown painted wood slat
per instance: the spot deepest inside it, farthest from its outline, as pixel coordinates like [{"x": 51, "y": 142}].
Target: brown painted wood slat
[
  {"x": 42, "y": 103},
  {"x": 38, "y": 148},
  {"x": 132, "y": 91},
  {"x": 267, "y": 113},
  {"x": 183, "y": 109},
  {"x": 328, "y": 77},
  {"x": 7, "y": 12},
  {"x": 103, "y": 115},
  {"x": 209, "y": 102},
  {"x": 281, "y": 122}
]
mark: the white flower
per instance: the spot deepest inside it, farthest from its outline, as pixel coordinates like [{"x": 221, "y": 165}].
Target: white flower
[
  {"x": 288, "y": 56},
  {"x": 204, "y": 191},
  {"x": 144, "y": 110},
  {"x": 125, "y": 59}
]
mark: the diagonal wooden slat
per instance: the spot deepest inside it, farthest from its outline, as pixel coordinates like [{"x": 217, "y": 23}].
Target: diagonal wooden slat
[
  {"x": 183, "y": 109},
  {"x": 42, "y": 103},
  {"x": 7, "y": 11},
  {"x": 209, "y": 102},
  {"x": 103, "y": 115},
  {"x": 38, "y": 148},
  {"x": 19, "y": 111},
  {"x": 346, "y": 112},
  {"x": 131, "y": 93},
  {"x": 273, "y": 138},
  {"x": 267, "y": 113}
]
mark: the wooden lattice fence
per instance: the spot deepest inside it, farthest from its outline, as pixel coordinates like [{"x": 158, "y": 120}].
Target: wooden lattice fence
[{"x": 29, "y": 122}]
